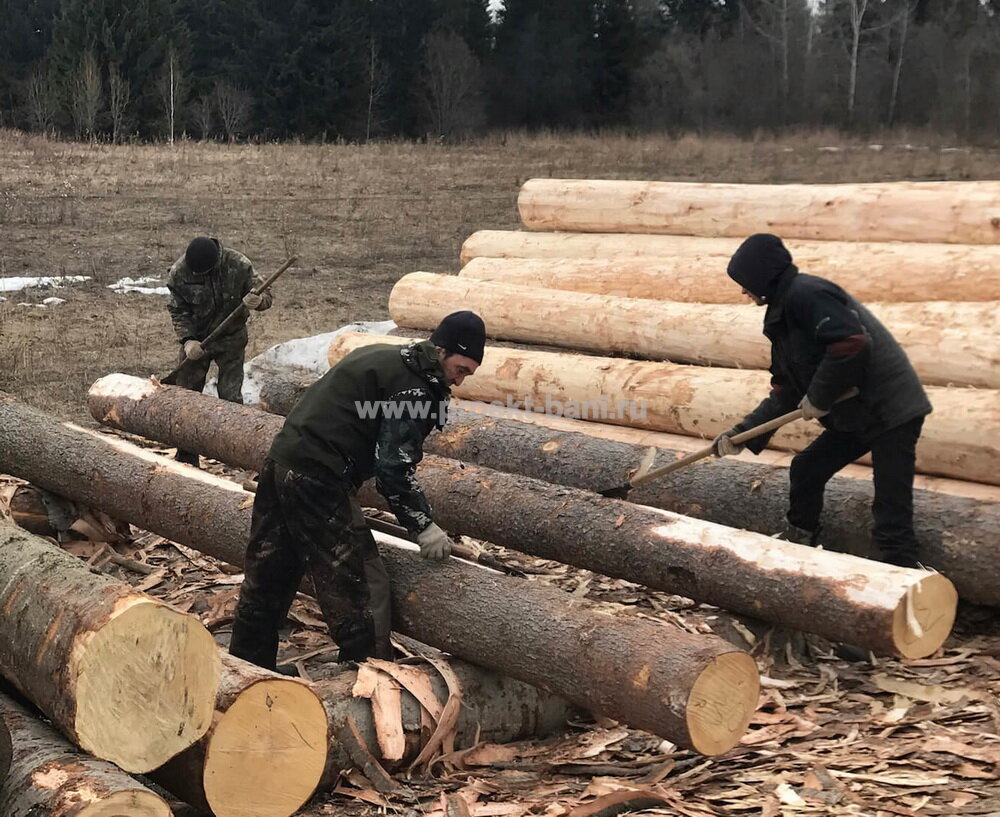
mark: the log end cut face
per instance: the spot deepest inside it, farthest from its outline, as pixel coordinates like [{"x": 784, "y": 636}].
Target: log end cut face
[
  {"x": 924, "y": 616},
  {"x": 267, "y": 752},
  {"x": 126, "y": 804},
  {"x": 723, "y": 699},
  {"x": 146, "y": 684}
]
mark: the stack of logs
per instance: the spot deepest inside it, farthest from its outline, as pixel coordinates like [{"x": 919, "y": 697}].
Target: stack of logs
[{"x": 134, "y": 686}]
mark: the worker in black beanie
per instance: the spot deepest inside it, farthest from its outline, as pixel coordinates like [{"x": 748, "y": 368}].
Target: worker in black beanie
[
  {"x": 823, "y": 344},
  {"x": 367, "y": 416}
]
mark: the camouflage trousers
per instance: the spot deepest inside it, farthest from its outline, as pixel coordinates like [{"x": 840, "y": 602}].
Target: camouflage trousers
[
  {"x": 305, "y": 525},
  {"x": 228, "y": 353}
]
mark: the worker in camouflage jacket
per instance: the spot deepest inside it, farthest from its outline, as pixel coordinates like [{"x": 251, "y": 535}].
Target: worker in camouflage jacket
[
  {"x": 368, "y": 416},
  {"x": 823, "y": 344},
  {"x": 206, "y": 284}
]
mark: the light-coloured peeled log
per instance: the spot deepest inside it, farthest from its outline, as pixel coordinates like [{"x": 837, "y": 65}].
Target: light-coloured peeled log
[
  {"x": 961, "y": 439},
  {"x": 697, "y": 691},
  {"x": 948, "y": 343},
  {"x": 266, "y": 750},
  {"x": 870, "y": 272},
  {"x": 49, "y": 777},
  {"x": 281, "y": 390},
  {"x": 948, "y": 212},
  {"x": 837, "y": 595},
  {"x": 125, "y": 677}
]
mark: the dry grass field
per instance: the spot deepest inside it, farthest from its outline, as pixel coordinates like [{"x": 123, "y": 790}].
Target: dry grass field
[{"x": 359, "y": 216}]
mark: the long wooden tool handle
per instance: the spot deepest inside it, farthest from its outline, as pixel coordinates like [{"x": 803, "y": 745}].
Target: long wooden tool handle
[
  {"x": 238, "y": 312},
  {"x": 739, "y": 439}
]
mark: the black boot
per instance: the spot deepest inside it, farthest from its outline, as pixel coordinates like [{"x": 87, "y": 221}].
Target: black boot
[
  {"x": 188, "y": 458},
  {"x": 800, "y": 536}
]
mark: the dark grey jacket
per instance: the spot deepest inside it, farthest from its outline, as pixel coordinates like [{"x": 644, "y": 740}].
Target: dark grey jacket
[{"x": 823, "y": 342}]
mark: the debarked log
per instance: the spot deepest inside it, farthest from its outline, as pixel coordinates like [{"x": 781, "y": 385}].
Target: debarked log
[
  {"x": 125, "y": 677},
  {"x": 265, "y": 753},
  {"x": 961, "y": 439},
  {"x": 889, "y": 609},
  {"x": 947, "y": 343},
  {"x": 49, "y": 777},
  {"x": 689, "y": 268},
  {"x": 950, "y": 212},
  {"x": 695, "y": 691}
]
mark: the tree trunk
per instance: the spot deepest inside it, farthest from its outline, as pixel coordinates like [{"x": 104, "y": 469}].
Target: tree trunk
[
  {"x": 124, "y": 676},
  {"x": 697, "y": 273},
  {"x": 266, "y": 750},
  {"x": 947, "y": 343},
  {"x": 49, "y": 777},
  {"x": 837, "y": 596},
  {"x": 961, "y": 439},
  {"x": 950, "y": 212},
  {"x": 281, "y": 390},
  {"x": 695, "y": 691},
  {"x": 495, "y": 709}
]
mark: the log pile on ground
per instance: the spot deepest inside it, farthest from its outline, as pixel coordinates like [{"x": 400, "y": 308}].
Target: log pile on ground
[
  {"x": 125, "y": 677},
  {"x": 961, "y": 439},
  {"x": 44, "y": 774},
  {"x": 696, "y": 691},
  {"x": 751, "y": 574}
]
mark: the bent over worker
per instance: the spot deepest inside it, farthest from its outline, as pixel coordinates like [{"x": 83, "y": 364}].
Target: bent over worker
[
  {"x": 206, "y": 284},
  {"x": 367, "y": 416},
  {"x": 823, "y": 343}
]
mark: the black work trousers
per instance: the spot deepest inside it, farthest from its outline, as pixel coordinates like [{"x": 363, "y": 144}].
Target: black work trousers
[
  {"x": 301, "y": 525},
  {"x": 893, "y": 464}
]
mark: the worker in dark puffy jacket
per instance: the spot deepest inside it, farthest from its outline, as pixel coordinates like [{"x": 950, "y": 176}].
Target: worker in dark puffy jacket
[
  {"x": 368, "y": 416},
  {"x": 824, "y": 343}
]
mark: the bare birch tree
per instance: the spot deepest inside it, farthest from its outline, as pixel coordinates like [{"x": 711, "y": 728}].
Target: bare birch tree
[
  {"x": 86, "y": 96},
  {"x": 451, "y": 87},
  {"x": 172, "y": 87},
  {"x": 378, "y": 84},
  {"x": 233, "y": 105},
  {"x": 40, "y": 99},
  {"x": 119, "y": 94}
]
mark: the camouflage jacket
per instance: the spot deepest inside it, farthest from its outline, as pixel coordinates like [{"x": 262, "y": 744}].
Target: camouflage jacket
[{"x": 201, "y": 301}]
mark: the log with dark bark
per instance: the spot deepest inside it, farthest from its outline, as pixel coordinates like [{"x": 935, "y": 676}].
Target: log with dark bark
[
  {"x": 836, "y": 595},
  {"x": 266, "y": 750},
  {"x": 961, "y": 439},
  {"x": 494, "y": 709},
  {"x": 49, "y": 777},
  {"x": 696, "y": 691},
  {"x": 125, "y": 677},
  {"x": 958, "y": 523}
]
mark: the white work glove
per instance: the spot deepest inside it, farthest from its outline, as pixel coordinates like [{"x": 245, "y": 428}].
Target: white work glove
[
  {"x": 252, "y": 301},
  {"x": 810, "y": 412},
  {"x": 193, "y": 350},
  {"x": 723, "y": 445},
  {"x": 434, "y": 543}
]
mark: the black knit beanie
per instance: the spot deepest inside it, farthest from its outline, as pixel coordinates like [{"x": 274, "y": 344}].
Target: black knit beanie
[
  {"x": 202, "y": 254},
  {"x": 463, "y": 333}
]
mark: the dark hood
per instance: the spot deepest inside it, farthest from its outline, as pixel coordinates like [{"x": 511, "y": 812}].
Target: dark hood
[{"x": 759, "y": 263}]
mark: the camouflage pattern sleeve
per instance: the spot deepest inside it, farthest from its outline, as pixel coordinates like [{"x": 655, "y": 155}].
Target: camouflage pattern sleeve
[
  {"x": 398, "y": 450},
  {"x": 253, "y": 280},
  {"x": 180, "y": 311}
]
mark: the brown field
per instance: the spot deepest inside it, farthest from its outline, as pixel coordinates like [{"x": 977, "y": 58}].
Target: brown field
[{"x": 359, "y": 216}]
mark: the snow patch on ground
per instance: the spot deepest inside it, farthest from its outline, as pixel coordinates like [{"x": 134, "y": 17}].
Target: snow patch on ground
[
  {"x": 45, "y": 282},
  {"x": 307, "y": 354},
  {"x": 53, "y": 301},
  {"x": 140, "y": 285}
]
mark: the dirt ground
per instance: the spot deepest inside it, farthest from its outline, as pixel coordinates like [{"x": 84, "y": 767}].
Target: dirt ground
[
  {"x": 359, "y": 217},
  {"x": 894, "y": 738}
]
